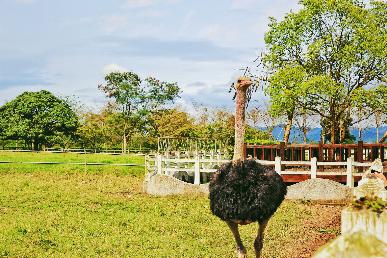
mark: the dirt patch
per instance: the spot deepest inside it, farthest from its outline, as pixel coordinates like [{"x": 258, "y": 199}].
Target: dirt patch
[{"x": 324, "y": 226}]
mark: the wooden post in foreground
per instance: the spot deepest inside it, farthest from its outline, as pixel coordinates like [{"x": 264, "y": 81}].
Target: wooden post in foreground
[
  {"x": 350, "y": 181},
  {"x": 277, "y": 165},
  {"x": 313, "y": 168},
  {"x": 159, "y": 164},
  {"x": 197, "y": 170}
]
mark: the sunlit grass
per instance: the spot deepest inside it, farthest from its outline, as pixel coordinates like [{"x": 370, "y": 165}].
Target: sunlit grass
[
  {"x": 70, "y": 158},
  {"x": 69, "y": 212}
]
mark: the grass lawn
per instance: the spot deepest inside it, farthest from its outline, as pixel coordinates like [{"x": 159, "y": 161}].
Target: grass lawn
[{"x": 70, "y": 211}]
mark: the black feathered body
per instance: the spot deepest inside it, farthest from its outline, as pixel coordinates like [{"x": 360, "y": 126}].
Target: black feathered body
[{"x": 246, "y": 191}]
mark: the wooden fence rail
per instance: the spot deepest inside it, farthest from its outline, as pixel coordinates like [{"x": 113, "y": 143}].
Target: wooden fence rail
[{"x": 195, "y": 166}]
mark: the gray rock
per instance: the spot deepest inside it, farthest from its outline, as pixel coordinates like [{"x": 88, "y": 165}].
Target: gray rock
[
  {"x": 319, "y": 189},
  {"x": 370, "y": 186},
  {"x": 162, "y": 185}
]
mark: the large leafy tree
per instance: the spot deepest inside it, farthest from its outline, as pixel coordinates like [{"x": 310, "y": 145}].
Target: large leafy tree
[
  {"x": 340, "y": 46},
  {"x": 172, "y": 123},
  {"x": 94, "y": 130},
  {"x": 37, "y": 118},
  {"x": 136, "y": 99},
  {"x": 285, "y": 92}
]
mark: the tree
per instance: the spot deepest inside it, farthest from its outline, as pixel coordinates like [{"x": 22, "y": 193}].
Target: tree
[
  {"x": 221, "y": 129},
  {"x": 93, "y": 130},
  {"x": 340, "y": 44},
  {"x": 136, "y": 99},
  {"x": 37, "y": 118},
  {"x": 172, "y": 123},
  {"x": 255, "y": 136},
  {"x": 262, "y": 114},
  {"x": 285, "y": 94},
  {"x": 304, "y": 122}
]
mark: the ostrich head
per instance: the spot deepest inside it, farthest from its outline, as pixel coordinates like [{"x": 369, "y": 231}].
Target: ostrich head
[{"x": 243, "y": 83}]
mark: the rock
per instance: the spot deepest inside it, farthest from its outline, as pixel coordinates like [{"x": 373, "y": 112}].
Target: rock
[
  {"x": 364, "y": 220},
  {"x": 355, "y": 245},
  {"x": 163, "y": 185},
  {"x": 319, "y": 190},
  {"x": 370, "y": 186},
  {"x": 377, "y": 166}
]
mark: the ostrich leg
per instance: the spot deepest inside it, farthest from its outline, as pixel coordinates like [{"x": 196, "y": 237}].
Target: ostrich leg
[
  {"x": 258, "y": 243},
  {"x": 241, "y": 250}
]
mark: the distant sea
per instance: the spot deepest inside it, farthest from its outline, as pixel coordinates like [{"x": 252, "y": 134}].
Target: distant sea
[{"x": 313, "y": 135}]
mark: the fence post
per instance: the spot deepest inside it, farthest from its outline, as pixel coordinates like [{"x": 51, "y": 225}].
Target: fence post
[
  {"x": 277, "y": 165},
  {"x": 177, "y": 159},
  {"x": 320, "y": 152},
  {"x": 159, "y": 164},
  {"x": 197, "y": 170},
  {"x": 313, "y": 168},
  {"x": 146, "y": 164},
  {"x": 218, "y": 157},
  {"x": 360, "y": 154},
  {"x": 350, "y": 182},
  {"x": 167, "y": 164},
  {"x": 282, "y": 150}
]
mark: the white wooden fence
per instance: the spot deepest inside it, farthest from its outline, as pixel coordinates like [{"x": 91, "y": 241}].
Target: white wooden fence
[{"x": 169, "y": 165}]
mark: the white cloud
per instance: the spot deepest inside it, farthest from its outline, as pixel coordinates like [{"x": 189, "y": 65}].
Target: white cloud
[
  {"x": 152, "y": 13},
  {"x": 243, "y": 4},
  {"x": 113, "y": 23},
  {"x": 139, "y": 3},
  {"x": 113, "y": 68},
  {"x": 25, "y": 1},
  {"x": 147, "y": 3}
]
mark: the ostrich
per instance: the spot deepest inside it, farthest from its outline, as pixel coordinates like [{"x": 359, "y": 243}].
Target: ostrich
[{"x": 243, "y": 191}]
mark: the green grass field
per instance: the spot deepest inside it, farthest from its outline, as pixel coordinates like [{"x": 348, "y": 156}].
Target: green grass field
[
  {"x": 70, "y": 168},
  {"x": 70, "y": 211}
]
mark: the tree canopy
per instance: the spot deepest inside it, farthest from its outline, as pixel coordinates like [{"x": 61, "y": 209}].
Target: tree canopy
[
  {"x": 136, "y": 99},
  {"x": 331, "y": 55},
  {"x": 37, "y": 118}
]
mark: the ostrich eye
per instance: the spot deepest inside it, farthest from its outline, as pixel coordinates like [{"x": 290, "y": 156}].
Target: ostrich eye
[{"x": 239, "y": 81}]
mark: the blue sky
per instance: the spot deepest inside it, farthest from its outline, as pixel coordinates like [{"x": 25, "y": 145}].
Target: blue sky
[{"x": 67, "y": 46}]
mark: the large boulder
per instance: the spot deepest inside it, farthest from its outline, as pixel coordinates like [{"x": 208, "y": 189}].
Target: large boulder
[{"x": 163, "y": 185}]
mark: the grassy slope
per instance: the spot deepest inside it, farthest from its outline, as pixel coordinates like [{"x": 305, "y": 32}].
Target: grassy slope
[{"x": 65, "y": 211}]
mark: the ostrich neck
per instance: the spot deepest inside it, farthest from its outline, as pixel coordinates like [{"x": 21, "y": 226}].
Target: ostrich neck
[{"x": 240, "y": 105}]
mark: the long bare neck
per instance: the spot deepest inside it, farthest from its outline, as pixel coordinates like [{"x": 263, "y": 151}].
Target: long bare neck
[{"x": 240, "y": 106}]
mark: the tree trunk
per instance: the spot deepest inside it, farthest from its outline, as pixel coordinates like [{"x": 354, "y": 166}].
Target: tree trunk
[
  {"x": 35, "y": 144},
  {"x": 377, "y": 133},
  {"x": 383, "y": 138},
  {"x": 342, "y": 132},
  {"x": 240, "y": 105},
  {"x": 333, "y": 131},
  {"x": 305, "y": 132},
  {"x": 124, "y": 144},
  {"x": 288, "y": 127}
]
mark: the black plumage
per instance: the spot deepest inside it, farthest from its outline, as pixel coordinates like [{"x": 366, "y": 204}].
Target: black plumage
[{"x": 245, "y": 191}]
